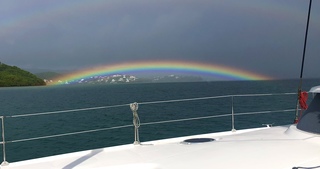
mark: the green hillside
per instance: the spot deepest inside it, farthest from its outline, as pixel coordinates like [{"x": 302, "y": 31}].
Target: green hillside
[{"x": 14, "y": 76}]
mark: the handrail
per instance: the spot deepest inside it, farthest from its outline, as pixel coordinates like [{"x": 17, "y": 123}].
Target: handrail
[
  {"x": 67, "y": 111},
  {"x": 68, "y": 134},
  {"x": 145, "y": 103},
  {"x": 137, "y": 142},
  {"x": 215, "y": 97},
  {"x": 145, "y": 124},
  {"x": 215, "y": 116}
]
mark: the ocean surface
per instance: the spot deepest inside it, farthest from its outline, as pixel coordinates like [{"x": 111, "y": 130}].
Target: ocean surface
[{"x": 28, "y": 133}]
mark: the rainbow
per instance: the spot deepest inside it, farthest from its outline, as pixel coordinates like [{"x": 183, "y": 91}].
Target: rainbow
[{"x": 218, "y": 72}]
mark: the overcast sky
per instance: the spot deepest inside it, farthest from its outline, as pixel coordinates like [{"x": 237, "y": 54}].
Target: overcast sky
[{"x": 262, "y": 36}]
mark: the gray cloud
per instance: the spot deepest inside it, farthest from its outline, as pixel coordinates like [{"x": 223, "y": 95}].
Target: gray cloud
[{"x": 260, "y": 36}]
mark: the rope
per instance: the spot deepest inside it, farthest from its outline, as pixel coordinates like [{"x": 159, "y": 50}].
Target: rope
[{"x": 136, "y": 120}]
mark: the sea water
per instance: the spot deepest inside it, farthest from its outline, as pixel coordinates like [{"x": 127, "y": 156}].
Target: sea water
[{"x": 114, "y": 100}]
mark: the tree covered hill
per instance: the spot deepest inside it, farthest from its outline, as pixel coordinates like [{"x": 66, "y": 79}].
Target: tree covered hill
[{"x": 14, "y": 76}]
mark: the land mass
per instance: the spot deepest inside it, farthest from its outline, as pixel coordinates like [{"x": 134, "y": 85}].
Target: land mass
[
  {"x": 14, "y": 76},
  {"x": 11, "y": 76},
  {"x": 53, "y": 78}
]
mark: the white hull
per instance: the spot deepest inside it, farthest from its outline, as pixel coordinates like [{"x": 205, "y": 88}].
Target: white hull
[{"x": 279, "y": 147}]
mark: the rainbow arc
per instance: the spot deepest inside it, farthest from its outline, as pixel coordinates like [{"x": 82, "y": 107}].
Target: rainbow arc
[{"x": 218, "y": 72}]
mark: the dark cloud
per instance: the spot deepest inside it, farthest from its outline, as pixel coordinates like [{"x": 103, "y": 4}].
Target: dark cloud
[{"x": 262, "y": 36}]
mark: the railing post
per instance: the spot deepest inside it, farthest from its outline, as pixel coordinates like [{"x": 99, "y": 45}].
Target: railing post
[
  {"x": 136, "y": 122},
  {"x": 4, "y": 163},
  {"x": 232, "y": 112}
]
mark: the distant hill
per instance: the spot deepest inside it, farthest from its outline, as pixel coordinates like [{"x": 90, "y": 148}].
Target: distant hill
[
  {"x": 14, "y": 76},
  {"x": 48, "y": 75}
]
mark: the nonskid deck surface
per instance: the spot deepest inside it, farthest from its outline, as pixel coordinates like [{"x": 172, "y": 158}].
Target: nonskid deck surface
[{"x": 275, "y": 147}]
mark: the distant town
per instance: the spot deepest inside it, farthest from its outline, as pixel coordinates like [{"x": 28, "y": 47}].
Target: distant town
[{"x": 122, "y": 78}]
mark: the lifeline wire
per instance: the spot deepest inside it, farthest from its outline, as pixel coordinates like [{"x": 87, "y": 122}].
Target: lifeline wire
[
  {"x": 67, "y": 111},
  {"x": 148, "y": 123},
  {"x": 68, "y": 134},
  {"x": 215, "y": 97},
  {"x": 145, "y": 103}
]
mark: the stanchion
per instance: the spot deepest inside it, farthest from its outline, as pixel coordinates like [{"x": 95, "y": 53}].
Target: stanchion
[
  {"x": 136, "y": 122},
  {"x": 232, "y": 112},
  {"x": 4, "y": 163}
]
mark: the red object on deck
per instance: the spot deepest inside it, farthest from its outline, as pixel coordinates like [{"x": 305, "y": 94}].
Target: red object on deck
[{"x": 303, "y": 97}]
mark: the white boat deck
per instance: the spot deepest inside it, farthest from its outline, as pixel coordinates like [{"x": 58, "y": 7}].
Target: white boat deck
[
  {"x": 281, "y": 147},
  {"x": 264, "y": 148}
]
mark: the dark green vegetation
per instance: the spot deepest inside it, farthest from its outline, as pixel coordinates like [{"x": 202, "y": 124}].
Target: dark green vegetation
[{"x": 14, "y": 76}]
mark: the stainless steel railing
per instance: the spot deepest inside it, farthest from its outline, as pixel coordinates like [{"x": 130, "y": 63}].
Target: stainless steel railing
[{"x": 136, "y": 121}]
